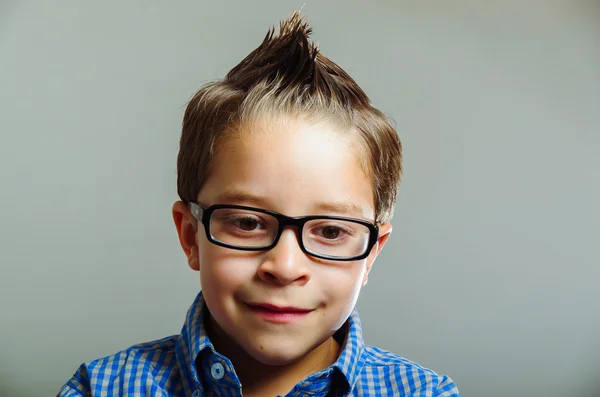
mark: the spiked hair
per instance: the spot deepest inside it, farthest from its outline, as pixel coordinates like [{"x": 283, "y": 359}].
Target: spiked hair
[{"x": 286, "y": 76}]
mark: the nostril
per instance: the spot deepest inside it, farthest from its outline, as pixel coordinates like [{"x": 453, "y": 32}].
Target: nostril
[{"x": 271, "y": 276}]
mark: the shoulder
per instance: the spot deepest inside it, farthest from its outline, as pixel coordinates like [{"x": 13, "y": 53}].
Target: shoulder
[
  {"x": 145, "y": 363},
  {"x": 143, "y": 358},
  {"x": 402, "y": 377}
]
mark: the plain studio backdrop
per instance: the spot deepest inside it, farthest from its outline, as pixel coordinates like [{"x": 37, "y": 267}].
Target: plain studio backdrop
[{"x": 492, "y": 272}]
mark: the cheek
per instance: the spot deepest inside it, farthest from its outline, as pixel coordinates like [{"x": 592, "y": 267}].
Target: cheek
[
  {"x": 223, "y": 270},
  {"x": 223, "y": 276},
  {"x": 343, "y": 284}
]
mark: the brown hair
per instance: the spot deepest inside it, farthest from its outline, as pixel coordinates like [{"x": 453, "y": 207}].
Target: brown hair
[{"x": 287, "y": 76}]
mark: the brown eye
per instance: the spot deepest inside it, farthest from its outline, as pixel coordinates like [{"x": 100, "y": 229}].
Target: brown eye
[
  {"x": 247, "y": 224},
  {"x": 330, "y": 232}
]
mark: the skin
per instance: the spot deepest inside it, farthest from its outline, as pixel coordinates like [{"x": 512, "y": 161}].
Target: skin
[{"x": 295, "y": 168}]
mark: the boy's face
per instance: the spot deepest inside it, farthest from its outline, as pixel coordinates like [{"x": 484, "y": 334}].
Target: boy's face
[{"x": 296, "y": 169}]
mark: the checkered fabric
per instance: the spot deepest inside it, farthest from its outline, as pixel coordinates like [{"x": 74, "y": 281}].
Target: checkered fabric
[{"x": 188, "y": 365}]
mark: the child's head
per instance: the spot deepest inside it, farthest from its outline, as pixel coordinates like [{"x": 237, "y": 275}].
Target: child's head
[{"x": 286, "y": 131}]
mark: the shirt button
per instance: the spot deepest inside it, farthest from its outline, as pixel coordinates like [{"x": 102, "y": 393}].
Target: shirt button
[
  {"x": 217, "y": 371},
  {"x": 196, "y": 393}
]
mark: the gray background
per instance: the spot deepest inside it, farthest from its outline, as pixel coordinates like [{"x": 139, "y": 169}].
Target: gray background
[{"x": 492, "y": 272}]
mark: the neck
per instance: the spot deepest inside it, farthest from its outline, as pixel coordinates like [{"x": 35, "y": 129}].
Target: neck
[{"x": 271, "y": 379}]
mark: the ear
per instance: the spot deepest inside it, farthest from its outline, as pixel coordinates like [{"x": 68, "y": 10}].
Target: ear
[
  {"x": 186, "y": 226},
  {"x": 385, "y": 230}
]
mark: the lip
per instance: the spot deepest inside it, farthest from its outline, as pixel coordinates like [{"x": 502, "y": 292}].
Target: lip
[
  {"x": 278, "y": 314},
  {"x": 275, "y": 308}
]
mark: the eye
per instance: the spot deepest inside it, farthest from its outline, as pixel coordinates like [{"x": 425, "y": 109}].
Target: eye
[
  {"x": 246, "y": 223},
  {"x": 330, "y": 232}
]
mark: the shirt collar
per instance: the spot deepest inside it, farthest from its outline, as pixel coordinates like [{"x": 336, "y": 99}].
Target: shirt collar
[{"x": 194, "y": 340}]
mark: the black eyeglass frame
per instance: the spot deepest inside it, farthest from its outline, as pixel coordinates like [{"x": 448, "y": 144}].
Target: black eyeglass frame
[{"x": 203, "y": 215}]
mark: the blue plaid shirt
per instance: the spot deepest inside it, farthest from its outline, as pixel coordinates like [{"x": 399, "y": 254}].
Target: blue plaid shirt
[{"x": 188, "y": 365}]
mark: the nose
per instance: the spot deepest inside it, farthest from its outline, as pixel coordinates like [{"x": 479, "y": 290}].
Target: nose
[{"x": 285, "y": 263}]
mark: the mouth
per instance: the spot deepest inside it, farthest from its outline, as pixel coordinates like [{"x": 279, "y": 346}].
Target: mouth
[
  {"x": 279, "y": 309},
  {"x": 278, "y": 314}
]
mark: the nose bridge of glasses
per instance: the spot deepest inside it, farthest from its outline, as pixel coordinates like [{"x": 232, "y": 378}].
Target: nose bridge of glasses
[
  {"x": 296, "y": 222},
  {"x": 292, "y": 224}
]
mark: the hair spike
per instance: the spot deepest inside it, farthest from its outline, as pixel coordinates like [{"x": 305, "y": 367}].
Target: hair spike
[{"x": 286, "y": 57}]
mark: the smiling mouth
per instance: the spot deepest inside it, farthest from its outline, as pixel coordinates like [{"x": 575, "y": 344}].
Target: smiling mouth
[
  {"x": 278, "y": 314},
  {"x": 277, "y": 309}
]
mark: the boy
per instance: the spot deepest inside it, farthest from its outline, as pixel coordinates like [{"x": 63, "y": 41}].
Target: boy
[{"x": 287, "y": 177}]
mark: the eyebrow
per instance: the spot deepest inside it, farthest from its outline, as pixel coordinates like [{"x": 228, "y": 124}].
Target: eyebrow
[
  {"x": 234, "y": 195},
  {"x": 340, "y": 207}
]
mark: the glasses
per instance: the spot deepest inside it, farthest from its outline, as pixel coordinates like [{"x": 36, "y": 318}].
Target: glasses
[{"x": 254, "y": 229}]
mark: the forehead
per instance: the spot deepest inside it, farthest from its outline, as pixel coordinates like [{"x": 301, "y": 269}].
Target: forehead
[{"x": 291, "y": 166}]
